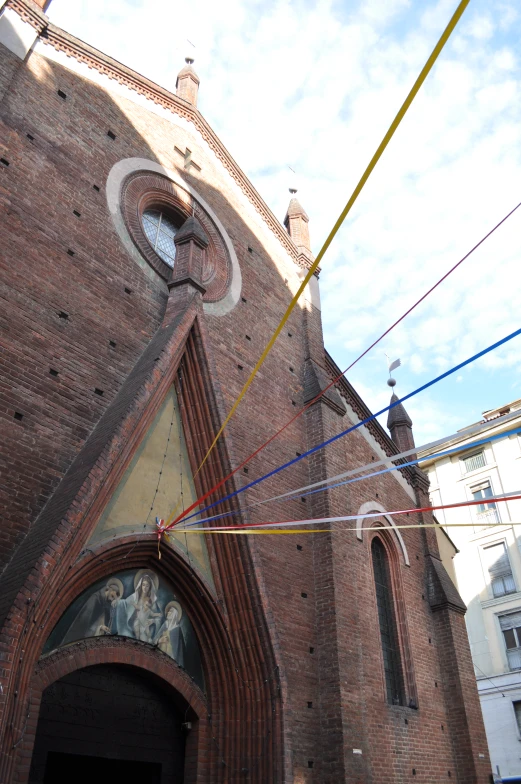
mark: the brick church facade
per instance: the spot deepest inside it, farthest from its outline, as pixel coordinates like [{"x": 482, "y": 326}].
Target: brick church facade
[{"x": 331, "y": 657}]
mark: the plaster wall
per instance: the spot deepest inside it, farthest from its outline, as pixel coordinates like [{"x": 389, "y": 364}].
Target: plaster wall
[
  {"x": 504, "y": 739},
  {"x": 450, "y": 483}
]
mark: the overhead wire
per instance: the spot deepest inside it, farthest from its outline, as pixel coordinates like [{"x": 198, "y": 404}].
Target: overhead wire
[
  {"x": 351, "y": 429},
  {"x": 331, "y": 483},
  {"x": 340, "y": 375},
  {"x": 391, "y": 459},
  {"x": 267, "y": 532},
  {"x": 268, "y": 526},
  {"x": 365, "y": 176},
  {"x": 159, "y": 478}
]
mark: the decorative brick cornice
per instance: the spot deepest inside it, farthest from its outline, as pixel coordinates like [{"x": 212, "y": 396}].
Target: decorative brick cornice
[
  {"x": 29, "y": 12},
  {"x": 83, "y": 53},
  {"x": 421, "y": 480}
]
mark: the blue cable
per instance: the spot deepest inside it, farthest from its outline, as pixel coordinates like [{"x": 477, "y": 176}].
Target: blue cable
[
  {"x": 434, "y": 456},
  {"x": 352, "y": 428},
  {"x": 370, "y": 476}
]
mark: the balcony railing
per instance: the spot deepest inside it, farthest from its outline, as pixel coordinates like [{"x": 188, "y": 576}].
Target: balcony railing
[
  {"x": 488, "y": 516},
  {"x": 474, "y": 462}
]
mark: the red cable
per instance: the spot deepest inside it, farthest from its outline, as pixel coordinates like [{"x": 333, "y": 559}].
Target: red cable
[
  {"x": 484, "y": 501},
  {"x": 335, "y": 380}
]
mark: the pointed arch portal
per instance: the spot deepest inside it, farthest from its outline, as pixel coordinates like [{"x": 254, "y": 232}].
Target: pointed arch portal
[{"x": 236, "y": 723}]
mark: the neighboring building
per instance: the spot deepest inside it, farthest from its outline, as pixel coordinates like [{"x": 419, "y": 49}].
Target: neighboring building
[
  {"x": 488, "y": 567},
  {"x": 142, "y": 276}
]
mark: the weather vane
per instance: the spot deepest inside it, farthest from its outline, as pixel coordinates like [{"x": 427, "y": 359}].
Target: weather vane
[
  {"x": 189, "y": 59},
  {"x": 292, "y": 188},
  {"x": 390, "y": 367}
]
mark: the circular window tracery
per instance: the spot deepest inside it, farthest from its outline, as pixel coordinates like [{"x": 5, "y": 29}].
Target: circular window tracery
[
  {"x": 160, "y": 231},
  {"x": 144, "y": 196}
]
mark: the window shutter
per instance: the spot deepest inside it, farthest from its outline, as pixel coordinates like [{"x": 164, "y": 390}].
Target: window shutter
[
  {"x": 480, "y": 487},
  {"x": 510, "y": 621}
]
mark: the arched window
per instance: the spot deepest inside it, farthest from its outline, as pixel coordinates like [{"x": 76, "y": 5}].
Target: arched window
[
  {"x": 160, "y": 231},
  {"x": 387, "y": 621}
]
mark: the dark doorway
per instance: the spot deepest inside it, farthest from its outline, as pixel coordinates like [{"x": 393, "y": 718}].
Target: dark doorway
[
  {"x": 108, "y": 723},
  {"x": 67, "y": 768}
]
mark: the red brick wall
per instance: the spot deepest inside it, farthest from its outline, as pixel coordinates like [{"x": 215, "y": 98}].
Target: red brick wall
[
  {"x": 300, "y": 610},
  {"x": 47, "y": 179}
]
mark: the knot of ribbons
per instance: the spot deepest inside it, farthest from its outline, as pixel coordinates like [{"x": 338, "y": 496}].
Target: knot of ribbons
[{"x": 161, "y": 528}]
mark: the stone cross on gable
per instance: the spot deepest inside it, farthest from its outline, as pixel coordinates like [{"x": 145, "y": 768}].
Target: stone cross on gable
[{"x": 187, "y": 155}]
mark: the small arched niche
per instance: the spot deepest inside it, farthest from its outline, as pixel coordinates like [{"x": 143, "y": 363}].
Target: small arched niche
[{"x": 362, "y": 522}]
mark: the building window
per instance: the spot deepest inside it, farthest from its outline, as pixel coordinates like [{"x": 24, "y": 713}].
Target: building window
[
  {"x": 485, "y": 513},
  {"x": 517, "y": 711},
  {"x": 511, "y": 627},
  {"x": 160, "y": 231},
  {"x": 499, "y": 570},
  {"x": 387, "y": 623},
  {"x": 473, "y": 462}
]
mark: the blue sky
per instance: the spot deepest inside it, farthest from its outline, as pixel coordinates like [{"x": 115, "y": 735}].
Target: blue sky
[{"x": 314, "y": 85}]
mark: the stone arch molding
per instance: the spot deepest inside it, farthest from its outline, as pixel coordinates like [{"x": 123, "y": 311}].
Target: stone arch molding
[
  {"x": 102, "y": 650},
  {"x": 372, "y": 506},
  {"x": 118, "y": 175}
]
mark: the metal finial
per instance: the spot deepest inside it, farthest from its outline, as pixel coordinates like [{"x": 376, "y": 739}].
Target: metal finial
[
  {"x": 292, "y": 190},
  {"x": 390, "y": 367},
  {"x": 189, "y": 60}
]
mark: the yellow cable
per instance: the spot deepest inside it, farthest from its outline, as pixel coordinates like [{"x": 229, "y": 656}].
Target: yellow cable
[
  {"x": 374, "y": 160},
  {"x": 330, "y": 530}
]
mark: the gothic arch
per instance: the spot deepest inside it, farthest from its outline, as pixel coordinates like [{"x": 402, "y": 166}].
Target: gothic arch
[
  {"x": 385, "y": 534},
  {"x": 229, "y": 702},
  {"x": 374, "y": 506},
  {"x": 240, "y": 670}
]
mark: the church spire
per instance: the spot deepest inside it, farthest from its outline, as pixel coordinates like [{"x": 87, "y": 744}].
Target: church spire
[
  {"x": 187, "y": 84},
  {"x": 296, "y": 222},
  {"x": 399, "y": 423}
]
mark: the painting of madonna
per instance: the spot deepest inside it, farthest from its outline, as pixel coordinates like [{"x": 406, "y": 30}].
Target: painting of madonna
[
  {"x": 136, "y": 603},
  {"x": 139, "y": 615}
]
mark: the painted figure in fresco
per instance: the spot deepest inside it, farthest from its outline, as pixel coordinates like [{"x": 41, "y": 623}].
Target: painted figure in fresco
[
  {"x": 97, "y": 614},
  {"x": 138, "y": 615},
  {"x": 170, "y": 638},
  {"x": 132, "y": 604}
]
